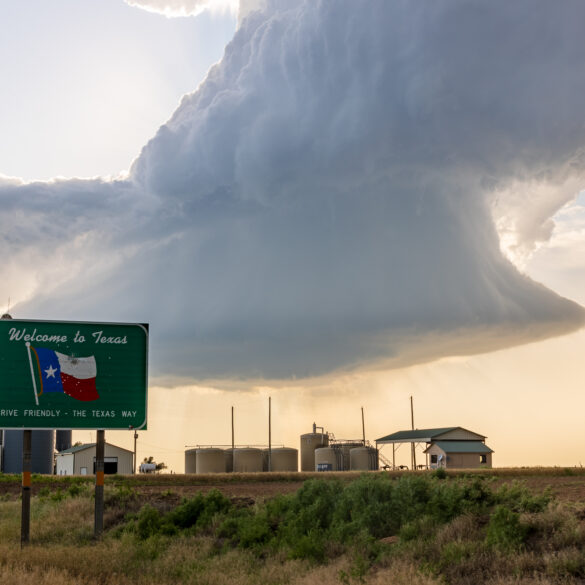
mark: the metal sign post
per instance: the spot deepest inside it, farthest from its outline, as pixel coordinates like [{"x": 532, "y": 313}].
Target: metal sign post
[
  {"x": 99, "y": 483},
  {"x": 26, "y": 487}
]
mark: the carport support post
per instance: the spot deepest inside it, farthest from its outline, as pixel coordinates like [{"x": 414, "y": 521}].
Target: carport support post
[
  {"x": 26, "y": 483},
  {"x": 99, "y": 483}
]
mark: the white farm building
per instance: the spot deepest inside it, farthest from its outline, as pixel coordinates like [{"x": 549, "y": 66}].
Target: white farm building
[{"x": 80, "y": 460}]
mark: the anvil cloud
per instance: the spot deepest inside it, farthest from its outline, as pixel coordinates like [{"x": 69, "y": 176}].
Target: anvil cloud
[{"x": 339, "y": 191}]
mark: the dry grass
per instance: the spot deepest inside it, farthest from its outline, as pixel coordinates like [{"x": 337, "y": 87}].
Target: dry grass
[{"x": 63, "y": 552}]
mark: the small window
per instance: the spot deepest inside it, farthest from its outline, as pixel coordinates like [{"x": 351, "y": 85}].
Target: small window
[
  {"x": 433, "y": 459},
  {"x": 483, "y": 458},
  {"x": 84, "y": 471}
]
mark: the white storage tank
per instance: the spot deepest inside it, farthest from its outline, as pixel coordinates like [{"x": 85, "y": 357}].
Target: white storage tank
[
  {"x": 228, "y": 456},
  {"x": 328, "y": 459},
  {"x": 310, "y": 442},
  {"x": 363, "y": 459},
  {"x": 191, "y": 461},
  {"x": 283, "y": 459},
  {"x": 247, "y": 460},
  {"x": 210, "y": 460}
]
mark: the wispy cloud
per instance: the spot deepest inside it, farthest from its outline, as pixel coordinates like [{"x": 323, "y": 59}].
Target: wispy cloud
[
  {"x": 178, "y": 8},
  {"x": 330, "y": 195}
]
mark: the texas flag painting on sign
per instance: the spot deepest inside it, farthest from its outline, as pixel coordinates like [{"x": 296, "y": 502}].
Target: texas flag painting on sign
[{"x": 75, "y": 376}]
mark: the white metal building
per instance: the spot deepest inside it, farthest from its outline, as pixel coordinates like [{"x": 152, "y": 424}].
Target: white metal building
[{"x": 80, "y": 460}]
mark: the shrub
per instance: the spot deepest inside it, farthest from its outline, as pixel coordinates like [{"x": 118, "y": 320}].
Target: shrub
[
  {"x": 148, "y": 522},
  {"x": 518, "y": 497},
  {"x": 506, "y": 532}
]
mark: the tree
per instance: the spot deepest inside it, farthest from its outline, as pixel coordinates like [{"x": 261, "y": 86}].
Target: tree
[{"x": 148, "y": 463}]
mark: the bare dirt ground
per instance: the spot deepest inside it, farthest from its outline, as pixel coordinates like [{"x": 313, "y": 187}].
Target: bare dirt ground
[{"x": 566, "y": 485}]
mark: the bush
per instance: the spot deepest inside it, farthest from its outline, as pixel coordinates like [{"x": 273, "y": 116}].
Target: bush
[
  {"x": 148, "y": 522},
  {"x": 506, "y": 532}
]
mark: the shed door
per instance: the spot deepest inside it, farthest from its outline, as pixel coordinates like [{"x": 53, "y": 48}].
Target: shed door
[{"x": 110, "y": 465}]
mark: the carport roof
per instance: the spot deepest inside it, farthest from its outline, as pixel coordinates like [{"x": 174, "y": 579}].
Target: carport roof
[{"x": 416, "y": 436}]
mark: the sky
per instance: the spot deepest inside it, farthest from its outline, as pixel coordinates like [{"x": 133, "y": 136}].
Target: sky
[{"x": 331, "y": 206}]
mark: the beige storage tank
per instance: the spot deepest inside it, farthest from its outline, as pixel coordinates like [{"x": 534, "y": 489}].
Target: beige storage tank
[
  {"x": 363, "y": 459},
  {"x": 229, "y": 460},
  {"x": 211, "y": 460},
  {"x": 345, "y": 452},
  {"x": 310, "y": 442},
  {"x": 190, "y": 461},
  {"x": 328, "y": 459},
  {"x": 248, "y": 460},
  {"x": 283, "y": 459}
]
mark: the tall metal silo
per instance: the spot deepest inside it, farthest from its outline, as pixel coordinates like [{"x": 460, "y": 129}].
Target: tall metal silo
[
  {"x": 42, "y": 451},
  {"x": 63, "y": 440},
  {"x": 310, "y": 442}
]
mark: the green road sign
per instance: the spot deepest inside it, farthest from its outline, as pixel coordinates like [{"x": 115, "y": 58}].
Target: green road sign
[{"x": 66, "y": 375}]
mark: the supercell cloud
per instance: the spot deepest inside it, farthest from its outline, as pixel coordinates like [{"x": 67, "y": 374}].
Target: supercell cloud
[{"x": 344, "y": 189}]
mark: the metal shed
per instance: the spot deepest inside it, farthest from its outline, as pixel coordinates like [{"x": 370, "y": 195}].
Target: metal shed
[
  {"x": 80, "y": 460},
  {"x": 453, "y": 447}
]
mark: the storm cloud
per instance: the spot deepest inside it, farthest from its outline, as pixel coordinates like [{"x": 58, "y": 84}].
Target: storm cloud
[{"x": 345, "y": 188}]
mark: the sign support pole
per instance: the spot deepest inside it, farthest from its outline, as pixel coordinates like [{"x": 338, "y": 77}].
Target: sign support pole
[
  {"x": 135, "y": 439},
  {"x": 26, "y": 486},
  {"x": 99, "y": 483}
]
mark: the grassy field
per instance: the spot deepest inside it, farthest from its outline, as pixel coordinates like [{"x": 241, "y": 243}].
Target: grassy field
[{"x": 497, "y": 527}]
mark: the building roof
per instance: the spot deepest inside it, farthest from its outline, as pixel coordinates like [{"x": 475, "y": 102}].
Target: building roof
[
  {"x": 76, "y": 448},
  {"x": 85, "y": 446},
  {"x": 462, "y": 447},
  {"x": 416, "y": 436}
]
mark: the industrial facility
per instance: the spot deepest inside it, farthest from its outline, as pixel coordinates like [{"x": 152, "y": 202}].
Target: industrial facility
[
  {"x": 244, "y": 459},
  {"x": 320, "y": 451},
  {"x": 448, "y": 447}
]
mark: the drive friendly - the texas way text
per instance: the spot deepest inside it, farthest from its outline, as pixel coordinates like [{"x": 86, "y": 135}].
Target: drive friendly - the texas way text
[{"x": 39, "y": 412}]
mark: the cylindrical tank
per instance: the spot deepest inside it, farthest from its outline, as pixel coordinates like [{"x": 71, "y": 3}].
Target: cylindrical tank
[
  {"x": 63, "y": 440},
  {"x": 345, "y": 449},
  {"x": 211, "y": 460},
  {"x": 247, "y": 460},
  {"x": 282, "y": 459},
  {"x": 363, "y": 459},
  {"x": 310, "y": 442},
  {"x": 191, "y": 461},
  {"x": 328, "y": 459},
  {"x": 42, "y": 451},
  {"x": 228, "y": 455}
]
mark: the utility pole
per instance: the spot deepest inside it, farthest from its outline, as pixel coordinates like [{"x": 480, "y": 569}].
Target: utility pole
[
  {"x": 269, "y": 433},
  {"x": 135, "y": 439},
  {"x": 413, "y": 446}
]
